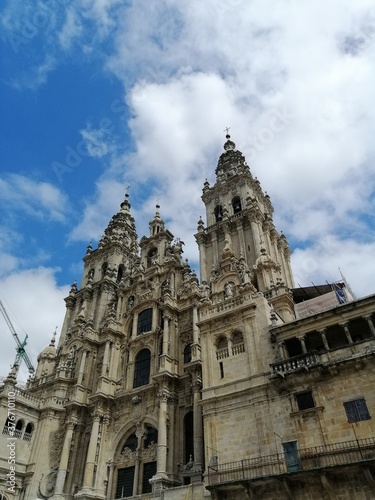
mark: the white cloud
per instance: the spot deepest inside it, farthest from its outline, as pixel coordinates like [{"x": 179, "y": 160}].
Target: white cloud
[
  {"x": 294, "y": 81},
  {"x": 19, "y": 193},
  {"x": 325, "y": 258},
  {"x": 98, "y": 211},
  {"x": 97, "y": 141},
  {"x": 35, "y": 306},
  {"x": 71, "y": 29}
]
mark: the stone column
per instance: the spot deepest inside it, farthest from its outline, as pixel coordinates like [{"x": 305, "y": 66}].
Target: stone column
[
  {"x": 281, "y": 349},
  {"x": 241, "y": 238},
  {"x": 324, "y": 338},
  {"x": 92, "y": 313},
  {"x": 214, "y": 249},
  {"x": 166, "y": 334},
  {"x": 195, "y": 327},
  {"x": 106, "y": 358},
  {"x": 202, "y": 257},
  {"x": 135, "y": 322},
  {"x": 101, "y": 472},
  {"x": 140, "y": 436},
  {"x": 347, "y": 332},
  {"x": 155, "y": 313},
  {"x": 82, "y": 367},
  {"x": 370, "y": 324},
  {"x": 110, "y": 480},
  {"x": 303, "y": 344},
  {"x": 64, "y": 459},
  {"x": 198, "y": 425},
  {"x": 91, "y": 453},
  {"x": 256, "y": 234},
  {"x": 114, "y": 361},
  {"x": 161, "y": 469}
]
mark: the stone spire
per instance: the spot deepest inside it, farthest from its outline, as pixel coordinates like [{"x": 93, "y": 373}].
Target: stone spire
[
  {"x": 121, "y": 228},
  {"x": 157, "y": 223},
  {"x": 231, "y": 162}
]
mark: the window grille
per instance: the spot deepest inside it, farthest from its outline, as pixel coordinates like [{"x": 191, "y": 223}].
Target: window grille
[
  {"x": 356, "y": 410},
  {"x": 144, "y": 321},
  {"x": 149, "y": 470},
  {"x": 125, "y": 480},
  {"x": 142, "y": 368}
]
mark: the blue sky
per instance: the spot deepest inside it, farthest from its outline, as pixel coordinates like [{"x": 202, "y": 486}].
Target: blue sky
[{"x": 97, "y": 95}]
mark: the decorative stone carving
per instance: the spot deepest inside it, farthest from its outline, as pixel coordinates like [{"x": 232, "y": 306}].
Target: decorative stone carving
[
  {"x": 47, "y": 485},
  {"x": 56, "y": 441}
]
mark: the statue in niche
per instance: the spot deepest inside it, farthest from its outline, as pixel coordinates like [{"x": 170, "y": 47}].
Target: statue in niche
[
  {"x": 166, "y": 287},
  {"x": 244, "y": 272},
  {"x": 205, "y": 290},
  {"x": 228, "y": 290},
  {"x": 130, "y": 303}
]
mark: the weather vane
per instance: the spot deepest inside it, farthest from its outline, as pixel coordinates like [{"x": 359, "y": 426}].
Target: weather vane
[
  {"x": 227, "y": 130},
  {"x": 127, "y": 188}
]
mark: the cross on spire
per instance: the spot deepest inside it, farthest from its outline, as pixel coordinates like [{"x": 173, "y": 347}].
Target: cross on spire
[{"x": 227, "y": 130}]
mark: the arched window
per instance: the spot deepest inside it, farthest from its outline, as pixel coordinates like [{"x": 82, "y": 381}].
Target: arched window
[
  {"x": 90, "y": 275},
  {"x": 152, "y": 256},
  {"x": 237, "y": 337},
  {"x": 236, "y": 204},
  {"x": 120, "y": 273},
  {"x": 8, "y": 428},
  {"x": 134, "y": 479},
  {"x": 131, "y": 442},
  {"x": 151, "y": 436},
  {"x": 144, "y": 321},
  {"x": 187, "y": 353},
  {"x": 238, "y": 345},
  {"x": 104, "y": 268},
  {"x": 218, "y": 213},
  {"x": 222, "y": 348},
  {"x": 222, "y": 342},
  {"x": 19, "y": 427},
  {"x": 27, "y": 435},
  {"x": 142, "y": 368}
]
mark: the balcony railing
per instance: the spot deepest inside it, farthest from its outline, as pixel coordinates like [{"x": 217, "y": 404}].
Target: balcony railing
[
  {"x": 348, "y": 452},
  {"x": 303, "y": 361},
  {"x": 222, "y": 353}
]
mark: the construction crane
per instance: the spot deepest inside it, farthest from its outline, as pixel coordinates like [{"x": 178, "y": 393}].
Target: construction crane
[{"x": 21, "y": 353}]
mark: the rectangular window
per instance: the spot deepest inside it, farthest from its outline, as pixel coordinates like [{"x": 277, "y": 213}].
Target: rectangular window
[
  {"x": 149, "y": 470},
  {"x": 356, "y": 410},
  {"x": 144, "y": 321},
  {"x": 125, "y": 480},
  {"x": 221, "y": 369},
  {"x": 305, "y": 400}
]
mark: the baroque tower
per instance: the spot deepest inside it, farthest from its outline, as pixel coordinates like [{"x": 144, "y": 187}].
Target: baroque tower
[{"x": 166, "y": 386}]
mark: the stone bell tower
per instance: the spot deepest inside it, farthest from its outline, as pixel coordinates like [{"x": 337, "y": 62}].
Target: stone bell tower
[{"x": 240, "y": 235}]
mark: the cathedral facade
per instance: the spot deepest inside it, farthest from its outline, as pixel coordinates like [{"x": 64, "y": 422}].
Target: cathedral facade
[{"x": 230, "y": 385}]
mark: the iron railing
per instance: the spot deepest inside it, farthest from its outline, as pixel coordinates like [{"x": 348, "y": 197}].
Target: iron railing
[{"x": 331, "y": 455}]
